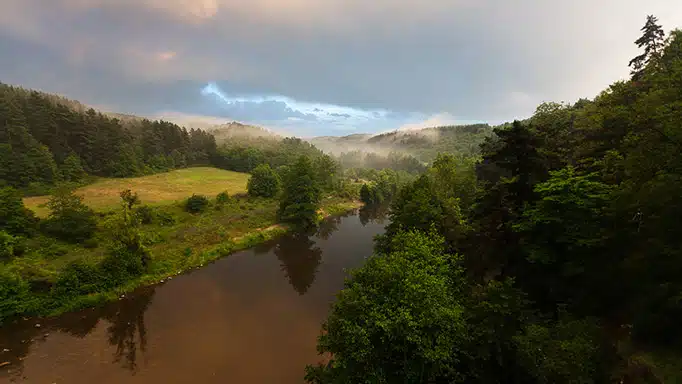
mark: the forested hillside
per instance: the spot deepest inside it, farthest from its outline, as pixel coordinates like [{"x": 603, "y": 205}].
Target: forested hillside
[
  {"x": 423, "y": 144},
  {"x": 45, "y": 139},
  {"x": 556, "y": 258}
]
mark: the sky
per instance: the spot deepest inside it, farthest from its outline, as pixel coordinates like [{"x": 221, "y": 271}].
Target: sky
[{"x": 324, "y": 67}]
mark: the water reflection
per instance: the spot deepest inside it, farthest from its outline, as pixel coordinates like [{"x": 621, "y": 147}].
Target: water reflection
[
  {"x": 127, "y": 328},
  {"x": 328, "y": 226},
  {"x": 219, "y": 324},
  {"x": 375, "y": 214},
  {"x": 299, "y": 259},
  {"x": 125, "y": 321}
]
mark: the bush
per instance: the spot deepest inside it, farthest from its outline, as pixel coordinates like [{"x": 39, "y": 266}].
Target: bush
[
  {"x": 14, "y": 292},
  {"x": 165, "y": 218},
  {"x": 14, "y": 217},
  {"x": 7, "y": 243},
  {"x": 222, "y": 198},
  {"x": 196, "y": 204},
  {"x": 145, "y": 214},
  {"x": 70, "y": 219},
  {"x": 264, "y": 182},
  {"x": 124, "y": 263},
  {"x": 79, "y": 278},
  {"x": 561, "y": 352}
]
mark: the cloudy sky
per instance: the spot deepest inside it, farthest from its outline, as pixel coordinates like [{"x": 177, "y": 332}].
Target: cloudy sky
[{"x": 321, "y": 67}]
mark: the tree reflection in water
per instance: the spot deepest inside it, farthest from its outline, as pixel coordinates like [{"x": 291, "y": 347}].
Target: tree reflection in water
[
  {"x": 300, "y": 259},
  {"x": 328, "y": 226},
  {"x": 126, "y": 318},
  {"x": 373, "y": 214},
  {"x": 127, "y": 322}
]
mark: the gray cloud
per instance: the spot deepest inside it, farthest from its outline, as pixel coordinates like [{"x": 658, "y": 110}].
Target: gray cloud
[{"x": 475, "y": 60}]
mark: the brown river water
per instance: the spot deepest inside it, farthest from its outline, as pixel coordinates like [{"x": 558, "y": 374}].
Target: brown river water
[{"x": 252, "y": 317}]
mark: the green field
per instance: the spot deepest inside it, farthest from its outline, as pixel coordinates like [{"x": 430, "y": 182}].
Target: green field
[{"x": 158, "y": 189}]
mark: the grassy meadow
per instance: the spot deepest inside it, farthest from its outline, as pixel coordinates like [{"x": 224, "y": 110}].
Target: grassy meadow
[
  {"x": 159, "y": 189},
  {"x": 178, "y": 240}
]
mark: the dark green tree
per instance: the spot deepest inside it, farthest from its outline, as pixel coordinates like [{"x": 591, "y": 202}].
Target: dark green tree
[
  {"x": 382, "y": 329},
  {"x": 301, "y": 195},
  {"x": 69, "y": 218},
  {"x": 71, "y": 169},
  {"x": 15, "y": 218},
  {"x": 263, "y": 182},
  {"x": 652, "y": 40}
]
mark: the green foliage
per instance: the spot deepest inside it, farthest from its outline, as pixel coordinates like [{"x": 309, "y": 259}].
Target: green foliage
[
  {"x": 127, "y": 255},
  {"x": 381, "y": 329},
  {"x": 578, "y": 206},
  {"x": 567, "y": 351},
  {"x": 129, "y": 199},
  {"x": 264, "y": 182},
  {"x": 652, "y": 40},
  {"x": 241, "y": 156},
  {"x": 196, "y": 204},
  {"x": 145, "y": 214},
  {"x": 79, "y": 278},
  {"x": 39, "y": 130},
  {"x": 14, "y": 217},
  {"x": 222, "y": 198},
  {"x": 564, "y": 235},
  {"x": 69, "y": 218},
  {"x": 14, "y": 292},
  {"x": 126, "y": 259},
  {"x": 301, "y": 195},
  {"x": 165, "y": 218},
  {"x": 326, "y": 170},
  {"x": 72, "y": 169},
  {"x": 368, "y": 194},
  {"x": 8, "y": 243}
]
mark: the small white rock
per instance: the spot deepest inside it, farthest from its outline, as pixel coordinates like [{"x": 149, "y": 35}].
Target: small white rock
[
  {"x": 5, "y": 350},
  {"x": 37, "y": 325}
]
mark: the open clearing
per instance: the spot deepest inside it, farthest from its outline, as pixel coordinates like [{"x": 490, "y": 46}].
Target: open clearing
[{"x": 158, "y": 189}]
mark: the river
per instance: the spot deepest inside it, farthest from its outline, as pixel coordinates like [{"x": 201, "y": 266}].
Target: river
[{"x": 252, "y": 317}]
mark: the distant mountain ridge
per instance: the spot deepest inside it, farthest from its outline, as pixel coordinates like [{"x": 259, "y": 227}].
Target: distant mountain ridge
[{"x": 423, "y": 143}]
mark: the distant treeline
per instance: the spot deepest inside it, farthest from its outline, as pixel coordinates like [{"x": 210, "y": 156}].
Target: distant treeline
[
  {"x": 45, "y": 139},
  {"x": 245, "y": 155},
  {"x": 426, "y": 144},
  {"x": 394, "y": 160}
]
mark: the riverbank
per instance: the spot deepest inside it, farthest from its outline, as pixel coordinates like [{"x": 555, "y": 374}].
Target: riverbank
[{"x": 178, "y": 241}]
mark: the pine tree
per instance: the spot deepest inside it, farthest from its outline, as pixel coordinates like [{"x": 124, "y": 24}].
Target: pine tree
[
  {"x": 652, "y": 40},
  {"x": 301, "y": 194}
]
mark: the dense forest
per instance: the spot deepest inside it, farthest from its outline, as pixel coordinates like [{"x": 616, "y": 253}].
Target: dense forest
[
  {"x": 554, "y": 258},
  {"x": 45, "y": 139}
]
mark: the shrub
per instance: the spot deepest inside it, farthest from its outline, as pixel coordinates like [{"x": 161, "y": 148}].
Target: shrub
[
  {"x": 14, "y": 292},
  {"x": 196, "y": 204},
  {"x": 222, "y": 198},
  {"x": 165, "y": 218},
  {"x": 79, "y": 278},
  {"x": 14, "y": 217},
  {"x": 70, "y": 219},
  {"x": 7, "y": 243},
  {"x": 124, "y": 263},
  {"x": 264, "y": 182},
  {"x": 145, "y": 214}
]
